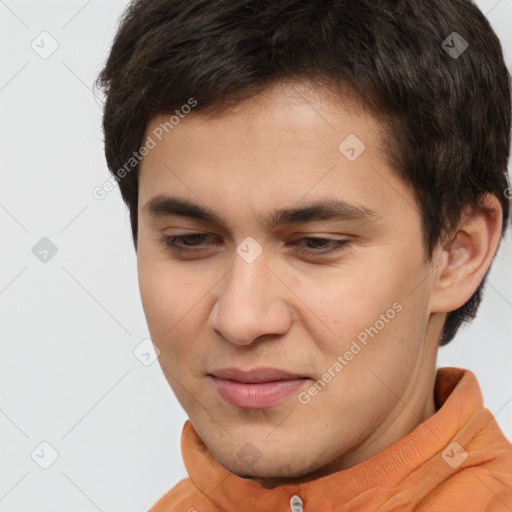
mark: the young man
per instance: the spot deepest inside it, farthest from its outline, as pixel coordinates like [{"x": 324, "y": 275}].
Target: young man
[{"x": 317, "y": 191}]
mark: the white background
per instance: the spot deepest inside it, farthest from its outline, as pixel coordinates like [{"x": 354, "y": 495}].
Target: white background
[{"x": 69, "y": 326}]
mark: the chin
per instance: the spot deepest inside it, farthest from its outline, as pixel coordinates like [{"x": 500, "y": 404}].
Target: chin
[{"x": 283, "y": 469}]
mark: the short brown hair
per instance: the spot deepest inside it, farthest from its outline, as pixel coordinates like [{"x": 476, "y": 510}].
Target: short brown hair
[{"x": 446, "y": 107}]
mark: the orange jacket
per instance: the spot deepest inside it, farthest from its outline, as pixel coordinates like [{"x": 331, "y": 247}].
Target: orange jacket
[{"x": 457, "y": 460}]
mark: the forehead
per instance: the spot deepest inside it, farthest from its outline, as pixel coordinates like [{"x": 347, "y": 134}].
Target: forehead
[{"x": 285, "y": 146}]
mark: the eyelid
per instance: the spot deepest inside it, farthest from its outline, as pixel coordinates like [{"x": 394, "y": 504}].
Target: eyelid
[
  {"x": 295, "y": 236},
  {"x": 336, "y": 245}
]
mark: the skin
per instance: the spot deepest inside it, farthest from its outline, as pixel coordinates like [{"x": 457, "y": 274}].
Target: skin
[{"x": 211, "y": 309}]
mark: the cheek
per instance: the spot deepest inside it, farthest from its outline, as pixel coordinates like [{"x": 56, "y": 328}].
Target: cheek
[
  {"x": 165, "y": 295},
  {"x": 373, "y": 301},
  {"x": 165, "y": 309},
  {"x": 344, "y": 299},
  {"x": 175, "y": 303}
]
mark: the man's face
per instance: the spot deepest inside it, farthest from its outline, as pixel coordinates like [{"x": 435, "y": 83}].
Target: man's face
[{"x": 353, "y": 323}]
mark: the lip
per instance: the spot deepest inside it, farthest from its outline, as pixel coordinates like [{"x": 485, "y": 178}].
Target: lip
[
  {"x": 256, "y": 375},
  {"x": 255, "y": 389}
]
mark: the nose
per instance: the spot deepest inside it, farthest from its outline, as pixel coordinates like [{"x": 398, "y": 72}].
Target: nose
[{"x": 251, "y": 303}]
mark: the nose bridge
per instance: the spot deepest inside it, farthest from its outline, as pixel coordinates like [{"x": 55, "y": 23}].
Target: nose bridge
[
  {"x": 249, "y": 304},
  {"x": 249, "y": 276}
]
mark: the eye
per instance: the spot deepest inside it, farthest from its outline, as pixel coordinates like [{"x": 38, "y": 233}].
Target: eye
[
  {"x": 330, "y": 245},
  {"x": 191, "y": 242},
  {"x": 171, "y": 241}
]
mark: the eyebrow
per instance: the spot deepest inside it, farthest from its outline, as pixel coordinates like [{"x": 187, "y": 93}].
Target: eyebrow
[{"x": 319, "y": 210}]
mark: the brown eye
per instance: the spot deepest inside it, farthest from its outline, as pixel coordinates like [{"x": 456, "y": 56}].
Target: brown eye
[
  {"x": 327, "y": 245},
  {"x": 188, "y": 240}
]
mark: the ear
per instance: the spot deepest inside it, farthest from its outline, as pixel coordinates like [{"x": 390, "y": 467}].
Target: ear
[{"x": 462, "y": 261}]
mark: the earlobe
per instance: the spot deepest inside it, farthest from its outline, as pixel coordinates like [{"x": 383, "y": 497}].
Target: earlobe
[{"x": 464, "y": 259}]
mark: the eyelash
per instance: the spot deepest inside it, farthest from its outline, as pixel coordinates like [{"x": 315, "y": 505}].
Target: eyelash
[{"x": 169, "y": 242}]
